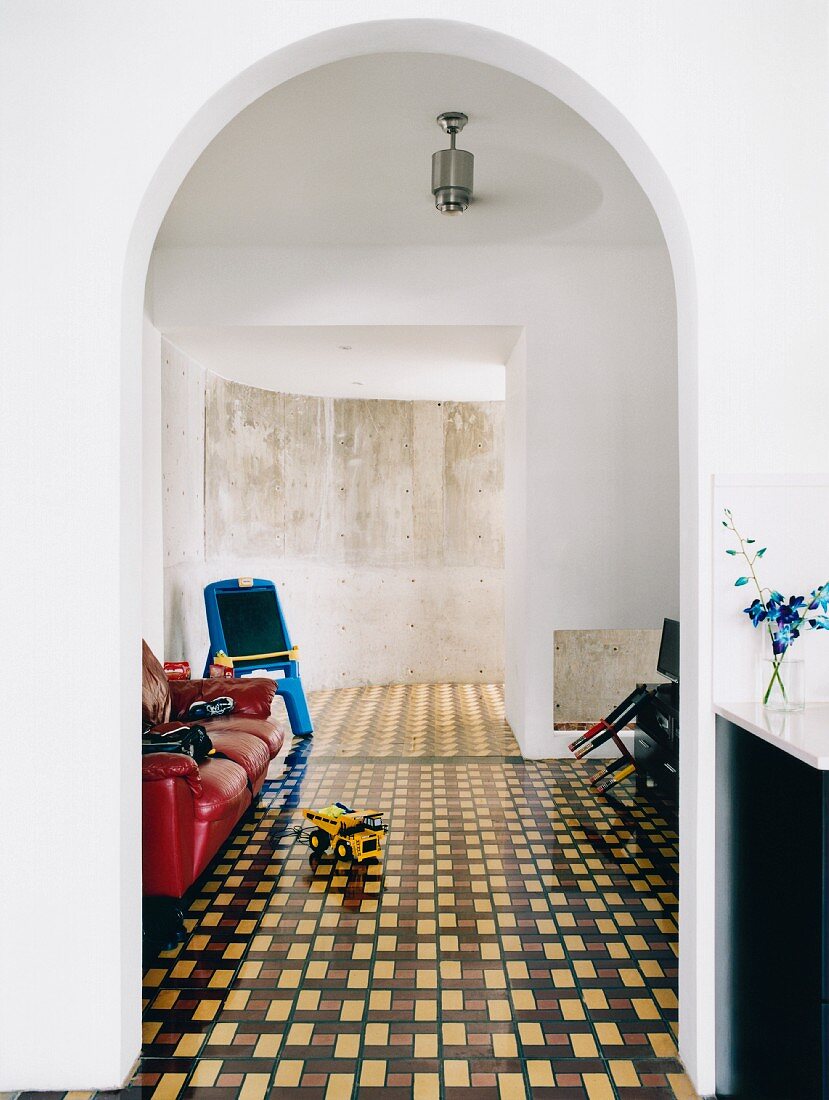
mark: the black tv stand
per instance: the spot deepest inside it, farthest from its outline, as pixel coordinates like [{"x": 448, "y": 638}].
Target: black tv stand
[{"x": 656, "y": 741}]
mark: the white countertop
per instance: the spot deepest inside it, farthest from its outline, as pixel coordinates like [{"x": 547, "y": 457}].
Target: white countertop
[{"x": 803, "y": 734}]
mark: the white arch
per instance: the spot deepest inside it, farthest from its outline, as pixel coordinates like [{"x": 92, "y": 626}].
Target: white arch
[{"x": 523, "y": 60}]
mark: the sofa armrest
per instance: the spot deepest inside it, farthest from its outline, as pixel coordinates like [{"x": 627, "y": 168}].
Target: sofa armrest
[
  {"x": 171, "y": 765},
  {"x": 252, "y": 696},
  {"x": 168, "y": 794}
]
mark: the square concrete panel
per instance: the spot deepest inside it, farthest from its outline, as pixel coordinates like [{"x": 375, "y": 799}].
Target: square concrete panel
[
  {"x": 593, "y": 670},
  {"x": 243, "y": 469},
  {"x": 182, "y": 443},
  {"x": 371, "y": 507},
  {"x": 308, "y": 441},
  {"x": 473, "y": 475}
]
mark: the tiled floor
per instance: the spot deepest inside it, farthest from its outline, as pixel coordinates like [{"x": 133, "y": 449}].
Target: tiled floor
[
  {"x": 518, "y": 941},
  {"x": 412, "y": 720}
]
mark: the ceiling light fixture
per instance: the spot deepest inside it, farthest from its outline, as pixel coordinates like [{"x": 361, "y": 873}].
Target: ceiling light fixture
[{"x": 452, "y": 168}]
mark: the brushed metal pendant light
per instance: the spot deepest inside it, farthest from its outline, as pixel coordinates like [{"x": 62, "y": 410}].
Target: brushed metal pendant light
[{"x": 452, "y": 168}]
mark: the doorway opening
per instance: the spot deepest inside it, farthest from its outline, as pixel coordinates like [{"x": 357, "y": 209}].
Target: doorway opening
[{"x": 532, "y": 604}]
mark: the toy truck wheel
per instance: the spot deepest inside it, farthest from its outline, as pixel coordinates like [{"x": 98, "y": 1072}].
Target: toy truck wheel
[
  {"x": 319, "y": 840},
  {"x": 342, "y": 850}
]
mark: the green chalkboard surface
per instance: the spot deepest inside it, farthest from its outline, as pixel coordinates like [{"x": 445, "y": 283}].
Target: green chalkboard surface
[{"x": 251, "y": 622}]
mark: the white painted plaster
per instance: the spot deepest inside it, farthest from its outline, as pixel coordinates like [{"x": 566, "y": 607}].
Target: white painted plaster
[
  {"x": 789, "y": 515},
  {"x": 152, "y": 542},
  {"x": 389, "y": 362},
  {"x": 720, "y": 112},
  {"x": 340, "y": 156},
  {"x": 515, "y": 542}
]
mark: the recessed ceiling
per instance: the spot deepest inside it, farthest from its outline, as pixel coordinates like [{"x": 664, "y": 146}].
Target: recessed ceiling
[
  {"x": 399, "y": 362},
  {"x": 341, "y": 155}
]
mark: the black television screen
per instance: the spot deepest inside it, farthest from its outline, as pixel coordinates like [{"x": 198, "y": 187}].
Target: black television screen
[{"x": 668, "y": 661}]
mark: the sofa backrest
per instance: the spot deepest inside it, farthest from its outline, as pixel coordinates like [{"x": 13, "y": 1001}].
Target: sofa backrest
[{"x": 155, "y": 688}]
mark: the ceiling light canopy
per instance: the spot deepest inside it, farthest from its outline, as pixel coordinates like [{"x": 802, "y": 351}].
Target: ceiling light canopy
[{"x": 452, "y": 168}]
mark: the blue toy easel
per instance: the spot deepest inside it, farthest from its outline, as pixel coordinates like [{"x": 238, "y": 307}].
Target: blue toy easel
[{"x": 245, "y": 621}]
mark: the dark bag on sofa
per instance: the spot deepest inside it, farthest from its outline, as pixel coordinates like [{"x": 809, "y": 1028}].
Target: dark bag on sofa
[{"x": 190, "y": 740}]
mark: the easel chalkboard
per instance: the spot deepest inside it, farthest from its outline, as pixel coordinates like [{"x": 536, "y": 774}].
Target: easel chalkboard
[{"x": 245, "y": 621}]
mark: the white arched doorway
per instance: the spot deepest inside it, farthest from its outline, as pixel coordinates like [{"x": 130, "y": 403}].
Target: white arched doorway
[{"x": 696, "y": 980}]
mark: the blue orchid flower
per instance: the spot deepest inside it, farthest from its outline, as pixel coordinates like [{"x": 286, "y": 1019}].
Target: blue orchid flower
[
  {"x": 757, "y": 612},
  {"x": 784, "y": 618},
  {"x": 783, "y": 638},
  {"x": 789, "y": 612},
  {"x": 820, "y": 598},
  {"x": 773, "y": 605}
]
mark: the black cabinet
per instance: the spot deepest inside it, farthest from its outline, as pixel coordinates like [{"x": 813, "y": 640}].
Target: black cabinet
[
  {"x": 656, "y": 741},
  {"x": 772, "y": 993}
]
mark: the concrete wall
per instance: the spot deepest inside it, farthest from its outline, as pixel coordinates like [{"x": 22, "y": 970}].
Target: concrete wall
[
  {"x": 182, "y": 457},
  {"x": 381, "y": 522},
  {"x": 596, "y": 669}
]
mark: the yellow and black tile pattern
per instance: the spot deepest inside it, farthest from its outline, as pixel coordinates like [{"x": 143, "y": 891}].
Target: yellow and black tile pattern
[
  {"x": 518, "y": 939},
  {"x": 414, "y": 720}
]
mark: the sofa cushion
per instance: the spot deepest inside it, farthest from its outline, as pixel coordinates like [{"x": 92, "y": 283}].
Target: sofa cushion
[
  {"x": 252, "y": 696},
  {"x": 249, "y": 752},
  {"x": 272, "y": 734},
  {"x": 155, "y": 688},
  {"x": 224, "y": 791}
]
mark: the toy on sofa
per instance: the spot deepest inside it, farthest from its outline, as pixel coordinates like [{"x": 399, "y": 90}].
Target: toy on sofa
[
  {"x": 356, "y": 834},
  {"x": 248, "y": 633}
]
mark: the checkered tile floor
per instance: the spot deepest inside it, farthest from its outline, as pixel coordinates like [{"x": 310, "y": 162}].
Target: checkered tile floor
[{"x": 518, "y": 940}]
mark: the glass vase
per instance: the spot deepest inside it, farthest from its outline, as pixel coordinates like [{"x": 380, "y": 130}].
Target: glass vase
[{"x": 782, "y": 683}]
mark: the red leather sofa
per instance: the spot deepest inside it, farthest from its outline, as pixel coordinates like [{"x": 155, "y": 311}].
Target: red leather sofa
[{"x": 190, "y": 809}]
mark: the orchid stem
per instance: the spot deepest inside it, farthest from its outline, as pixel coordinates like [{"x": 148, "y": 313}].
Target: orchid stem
[{"x": 775, "y": 661}]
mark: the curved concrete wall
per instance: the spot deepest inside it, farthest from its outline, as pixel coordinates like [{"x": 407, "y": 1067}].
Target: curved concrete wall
[{"x": 381, "y": 522}]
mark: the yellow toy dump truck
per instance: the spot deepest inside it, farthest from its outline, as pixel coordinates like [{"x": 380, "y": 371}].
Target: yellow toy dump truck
[{"x": 355, "y": 834}]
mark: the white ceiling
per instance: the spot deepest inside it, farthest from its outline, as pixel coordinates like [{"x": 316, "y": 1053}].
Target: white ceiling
[
  {"x": 341, "y": 155},
  {"x": 406, "y": 363}
]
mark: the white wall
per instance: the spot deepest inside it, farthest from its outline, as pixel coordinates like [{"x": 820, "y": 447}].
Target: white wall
[
  {"x": 516, "y": 596},
  {"x": 720, "y": 111},
  {"x": 788, "y": 514},
  {"x": 381, "y": 522},
  {"x": 592, "y": 435},
  {"x": 152, "y": 541}
]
